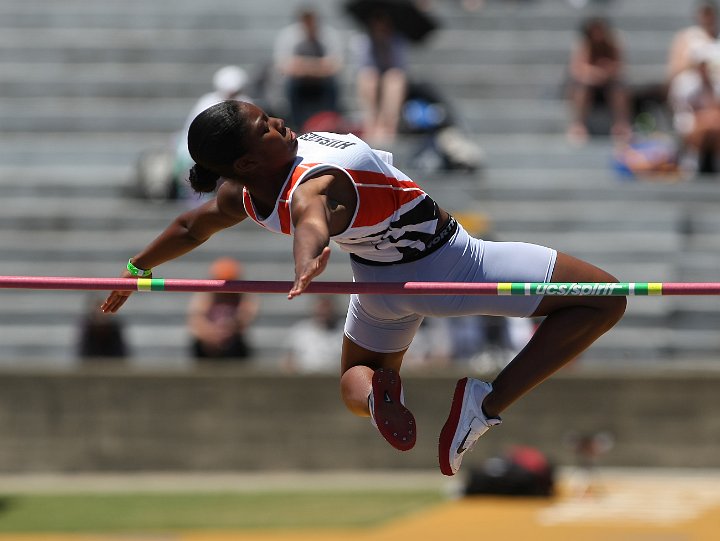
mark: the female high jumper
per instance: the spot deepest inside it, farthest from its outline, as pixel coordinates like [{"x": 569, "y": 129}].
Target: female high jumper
[{"x": 319, "y": 187}]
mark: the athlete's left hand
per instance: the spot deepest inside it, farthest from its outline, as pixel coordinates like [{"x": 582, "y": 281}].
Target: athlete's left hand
[
  {"x": 313, "y": 268},
  {"x": 117, "y": 298}
]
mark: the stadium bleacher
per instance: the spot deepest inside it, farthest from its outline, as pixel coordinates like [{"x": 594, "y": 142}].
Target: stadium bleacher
[{"x": 86, "y": 88}]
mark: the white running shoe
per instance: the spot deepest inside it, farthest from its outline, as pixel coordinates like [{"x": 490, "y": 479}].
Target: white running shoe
[{"x": 465, "y": 424}]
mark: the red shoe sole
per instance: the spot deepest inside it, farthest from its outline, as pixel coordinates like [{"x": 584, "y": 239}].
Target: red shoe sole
[
  {"x": 450, "y": 427},
  {"x": 395, "y": 422}
]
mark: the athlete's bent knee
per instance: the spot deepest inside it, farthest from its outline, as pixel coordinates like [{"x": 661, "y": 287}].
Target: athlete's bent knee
[{"x": 354, "y": 389}]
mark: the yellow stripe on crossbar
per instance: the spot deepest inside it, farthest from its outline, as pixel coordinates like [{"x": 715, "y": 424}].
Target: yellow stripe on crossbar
[
  {"x": 655, "y": 288},
  {"x": 504, "y": 288},
  {"x": 144, "y": 284}
]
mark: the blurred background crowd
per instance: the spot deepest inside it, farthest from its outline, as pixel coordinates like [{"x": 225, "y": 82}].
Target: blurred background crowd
[{"x": 594, "y": 123}]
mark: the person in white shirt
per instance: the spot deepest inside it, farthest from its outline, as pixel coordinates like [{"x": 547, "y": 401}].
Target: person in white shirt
[
  {"x": 315, "y": 343},
  {"x": 229, "y": 83},
  {"x": 704, "y": 32}
]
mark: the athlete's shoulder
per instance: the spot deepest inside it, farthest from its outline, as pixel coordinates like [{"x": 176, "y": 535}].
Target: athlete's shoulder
[{"x": 229, "y": 199}]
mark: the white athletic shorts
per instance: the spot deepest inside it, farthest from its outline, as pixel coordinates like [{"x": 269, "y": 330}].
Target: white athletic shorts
[{"x": 387, "y": 323}]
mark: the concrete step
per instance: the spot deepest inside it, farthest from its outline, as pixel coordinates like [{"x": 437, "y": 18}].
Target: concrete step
[
  {"x": 92, "y": 114},
  {"x": 136, "y": 10},
  {"x": 461, "y": 79},
  {"x": 223, "y": 14},
  {"x": 60, "y": 149},
  {"x": 161, "y": 114},
  {"x": 114, "y": 148},
  {"x": 38, "y": 215},
  {"x": 168, "y": 346},
  {"x": 544, "y": 12},
  {"x": 65, "y": 183},
  {"x": 76, "y": 114},
  {"x": 645, "y": 246},
  {"x": 255, "y": 38}
]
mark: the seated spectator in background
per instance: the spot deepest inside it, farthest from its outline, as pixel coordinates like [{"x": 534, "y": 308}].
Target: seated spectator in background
[
  {"x": 162, "y": 174},
  {"x": 446, "y": 144},
  {"x": 431, "y": 347},
  {"x": 315, "y": 343},
  {"x": 694, "y": 98},
  {"x": 595, "y": 70},
  {"x": 229, "y": 83},
  {"x": 309, "y": 56},
  {"x": 101, "y": 335},
  {"x": 219, "y": 322},
  {"x": 704, "y": 32},
  {"x": 488, "y": 343},
  {"x": 381, "y": 78}
]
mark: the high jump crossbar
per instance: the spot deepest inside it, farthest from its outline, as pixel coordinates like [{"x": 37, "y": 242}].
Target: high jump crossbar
[{"x": 579, "y": 289}]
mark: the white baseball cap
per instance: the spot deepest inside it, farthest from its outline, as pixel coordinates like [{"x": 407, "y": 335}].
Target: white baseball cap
[{"x": 230, "y": 79}]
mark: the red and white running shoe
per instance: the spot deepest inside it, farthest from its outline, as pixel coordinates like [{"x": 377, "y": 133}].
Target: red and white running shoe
[
  {"x": 388, "y": 412},
  {"x": 465, "y": 424}
]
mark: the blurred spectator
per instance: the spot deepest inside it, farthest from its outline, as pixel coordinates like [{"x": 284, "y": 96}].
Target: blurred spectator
[
  {"x": 694, "y": 98},
  {"x": 309, "y": 56},
  {"x": 101, "y": 335},
  {"x": 229, "y": 83},
  {"x": 162, "y": 173},
  {"x": 693, "y": 75},
  {"x": 595, "y": 70},
  {"x": 432, "y": 345},
  {"x": 381, "y": 78},
  {"x": 472, "y": 5},
  {"x": 219, "y": 322},
  {"x": 587, "y": 447},
  {"x": 446, "y": 146},
  {"x": 704, "y": 32},
  {"x": 488, "y": 343},
  {"x": 583, "y": 4},
  {"x": 315, "y": 343}
]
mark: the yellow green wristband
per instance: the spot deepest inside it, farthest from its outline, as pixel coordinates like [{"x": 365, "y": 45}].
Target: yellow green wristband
[{"x": 142, "y": 273}]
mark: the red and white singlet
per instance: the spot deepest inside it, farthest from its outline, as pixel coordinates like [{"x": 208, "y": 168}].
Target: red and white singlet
[{"x": 395, "y": 220}]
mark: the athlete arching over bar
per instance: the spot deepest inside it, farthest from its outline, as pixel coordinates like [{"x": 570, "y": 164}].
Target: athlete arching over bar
[{"x": 324, "y": 186}]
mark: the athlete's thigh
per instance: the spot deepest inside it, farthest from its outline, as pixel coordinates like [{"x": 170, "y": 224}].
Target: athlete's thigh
[
  {"x": 570, "y": 269},
  {"x": 355, "y": 355},
  {"x": 492, "y": 262},
  {"x": 377, "y": 340}
]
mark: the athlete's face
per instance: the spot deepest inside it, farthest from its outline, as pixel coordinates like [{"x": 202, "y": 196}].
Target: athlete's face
[{"x": 271, "y": 144}]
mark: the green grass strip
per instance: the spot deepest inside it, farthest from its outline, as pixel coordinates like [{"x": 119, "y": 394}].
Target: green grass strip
[{"x": 158, "y": 512}]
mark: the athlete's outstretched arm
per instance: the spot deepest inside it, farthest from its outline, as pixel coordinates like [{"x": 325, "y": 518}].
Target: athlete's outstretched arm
[
  {"x": 311, "y": 237},
  {"x": 188, "y": 231},
  {"x": 320, "y": 207}
]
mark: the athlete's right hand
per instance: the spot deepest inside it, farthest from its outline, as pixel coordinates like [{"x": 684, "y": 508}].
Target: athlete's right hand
[
  {"x": 117, "y": 298},
  {"x": 313, "y": 268}
]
